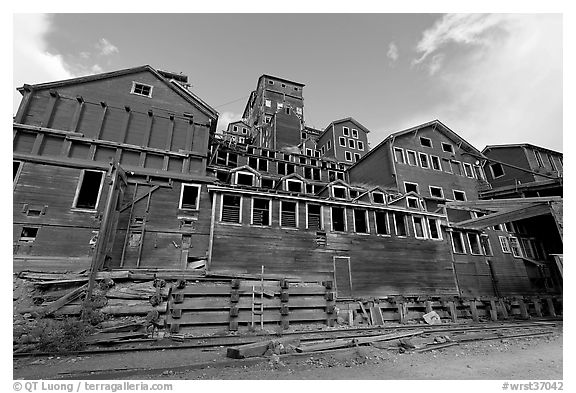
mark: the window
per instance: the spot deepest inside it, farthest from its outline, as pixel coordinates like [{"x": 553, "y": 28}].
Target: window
[
  {"x": 538, "y": 158},
  {"x": 288, "y": 216},
  {"x": 446, "y": 165},
  {"x": 412, "y": 202},
  {"x": 231, "y": 207},
  {"x": 474, "y": 243},
  {"x": 515, "y": 247},
  {"x": 317, "y": 153},
  {"x": 295, "y": 88},
  {"x": 339, "y": 192},
  {"x": 270, "y": 82},
  {"x": 189, "y": 197},
  {"x": 258, "y": 163},
  {"x": 348, "y": 156},
  {"x": 261, "y": 212},
  {"x": 308, "y": 173},
  {"x": 458, "y": 243},
  {"x": 338, "y": 219},
  {"x": 293, "y": 185},
  {"x": 345, "y": 131},
  {"x": 434, "y": 229},
  {"x": 411, "y": 158},
  {"x": 468, "y": 170},
  {"x": 322, "y": 150},
  {"x": 400, "y": 224},
  {"x": 426, "y": 142},
  {"x": 423, "y": 160},
  {"x": 235, "y": 128},
  {"x": 28, "y": 234},
  {"x": 381, "y": 220},
  {"x": 399, "y": 155},
  {"x": 410, "y": 187},
  {"x": 457, "y": 167},
  {"x": 447, "y": 147},
  {"x": 419, "y": 229},
  {"x": 244, "y": 179},
  {"x": 378, "y": 197},
  {"x": 302, "y": 160},
  {"x": 267, "y": 119},
  {"x": 497, "y": 170},
  {"x": 351, "y": 143},
  {"x": 88, "y": 191},
  {"x": 527, "y": 248},
  {"x": 268, "y": 103},
  {"x": 486, "y": 247},
  {"x": 342, "y": 141},
  {"x": 314, "y": 217},
  {"x": 509, "y": 227},
  {"x": 285, "y": 168},
  {"x": 504, "y": 244},
  {"x": 240, "y": 139},
  {"x": 479, "y": 172},
  {"x": 551, "y": 161},
  {"x": 283, "y": 84},
  {"x": 244, "y": 130},
  {"x": 267, "y": 183},
  {"x": 329, "y": 145},
  {"x": 459, "y": 195},
  {"x": 280, "y": 105},
  {"x": 436, "y": 192},
  {"x": 435, "y": 163},
  {"x": 356, "y": 157},
  {"x": 287, "y": 110},
  {"x": 141, "y": 89},
  {"x": 360, "y": 145},
  {"x": 360, "y": 221},
  {"x": 309, "y": 152},
  {"x": 354, "y": 133},
  {"x": 340, "y": 176},
  {"x": 16, "y": 166}
]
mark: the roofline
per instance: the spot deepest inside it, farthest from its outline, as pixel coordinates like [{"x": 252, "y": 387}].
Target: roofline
[
  {"x": 280, "y": 79},
  {"x": 512, "y": 145},
  {"x": 366, "y": 130}
]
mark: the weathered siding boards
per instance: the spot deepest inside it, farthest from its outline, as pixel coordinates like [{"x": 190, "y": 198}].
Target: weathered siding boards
[
  {"x": 513, "y": 156},
  {"x": 375, "y": 170}
]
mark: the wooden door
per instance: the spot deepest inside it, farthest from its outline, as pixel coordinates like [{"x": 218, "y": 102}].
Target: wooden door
[{"x": 343, "y": 277}]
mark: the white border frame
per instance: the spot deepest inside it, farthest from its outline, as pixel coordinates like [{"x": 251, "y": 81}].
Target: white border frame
[
  {"x": 132, "y": 90},
  {"x": 394, "y": 149},
  {"x": 438, "y": 187},
  {"x": 332, "y": 219},
  {"x": 424, "y": 231},
  {"x": 416, "y": 161},
  {"x": 420, "y": 155},
  {"x": 414, "y": 184},
  {"x": 222, "y": 208},
  {"x": 504, "y": 245},
  {"x": 467, "y": 165},
  {"x": 461, "y": 241},
  {"x": 442, "y": 144},
  {"x": 468, "y": 234},
  {"x": 366, "y": 217},
  {"x": 432, "y": 163},
  {"x": 321, "y": 215},
  {"x": 463, "y": 192},
  {"x": 269, "y": 212},
  {"x": 199, "y": 187},
  {"x": 296, "y": 212},
  {"x": 424, "y": 137},
  {"x": 404, "y": 215},
  {"x": 386, "y": 222},
  {"x": 438, "y": 229},
  {"x": 78, "y": 186}
]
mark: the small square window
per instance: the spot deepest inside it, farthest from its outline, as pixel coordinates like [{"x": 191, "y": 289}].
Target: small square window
[
  {"x": 497, "y": 170},
  {"x": 436, "y": 192},
  {"x": 244, "y": 179},
  {"x": 345, "y": 131},
  {"x": 459, "y": 195},
  {"x": 447, "y": 147},
  {"x": 189, "y": 197},
  {"x": 339, "y": 192},
  {"x": 426, "y": 142},
  {"x": 411, "y": 187},
  {"x": 378, "y": 197},
  {"x": 412, "y": 202},
  {"x": 141, "y": 89}
]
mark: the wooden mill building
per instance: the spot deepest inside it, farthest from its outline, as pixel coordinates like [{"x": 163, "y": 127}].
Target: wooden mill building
[{"x": 126, "y": 170}]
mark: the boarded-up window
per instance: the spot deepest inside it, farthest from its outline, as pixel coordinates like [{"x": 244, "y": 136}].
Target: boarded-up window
[
  {"x": 360, "y": 221},
  {"x": 288, "y": 214},
  {"x": 231, "y": 208},
  {"x": 381, "y": 219},
  {"x": 189, "y": 196},
  {"x": 446, "y": 165},
  {"x": 457, "y": 167},
  {"x": 400, "y": 224},
  {"x": 314, "y": 217},
  {"x": 474, "y": 244},
  {"x": 338, "y": 219},
  {"x": 88, "y": 191},
  {"x": 261, "y": 211},
  {"x": 458, "y": 243}
]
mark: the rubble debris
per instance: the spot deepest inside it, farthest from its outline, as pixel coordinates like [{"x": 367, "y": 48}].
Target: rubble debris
[
  {"x": 260, "y": 348},
  {"x": 432, "y": 318}
]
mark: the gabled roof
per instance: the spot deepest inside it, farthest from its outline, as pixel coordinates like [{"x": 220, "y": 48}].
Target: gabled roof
[
  {"x": 344, "y": 120},
  {"x": 246, "y": 168},
  {"x": 377, "y": 188},
  {"x": 291, "y": 175},
  {"x": 172, "y": 84},
  {"x": 513, "y": 145},
  {"x": 335, "y": 182}
]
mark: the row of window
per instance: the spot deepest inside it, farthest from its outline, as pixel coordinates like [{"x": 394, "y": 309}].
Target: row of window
[
  {"x": 346, "y": 132},
  {"x": 435, "y": 191},
  {"x": 271, "y": 82},
  {"x": 279, "y": 106},
  {"x": 427, "y": 142},
  {"x": 230, "y": 159},
  {"x": 540, "y": 162},
  {"x": 429, "y": 161},
  {"x": 348, "y": 156},
  {"x": 480, "y": 245},
  {"x": 352, "y": 144},
  {"x": 384, "y": 222}
]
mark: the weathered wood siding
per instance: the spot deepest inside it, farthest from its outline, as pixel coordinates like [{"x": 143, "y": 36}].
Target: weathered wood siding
[{"x": 375, "y": 170}]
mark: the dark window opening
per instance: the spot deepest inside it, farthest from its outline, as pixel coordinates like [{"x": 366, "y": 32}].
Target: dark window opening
[
  {"x": 232, "y": 160},
  {"x": 308, "y": 173},
  {"x": 261, "y": 212},
  {"x": 497, "y": 170},
  {"x": 231, "y": 208},
  {"x": 253, "y": 162},
  {"x": 244, "y": 179},
  {"x": 316, "y": 174},
  {"x": 436, "y": 192},
  {"x": 486, "y": 247},
  {"x": 458, "y": 243},
  {"x": 338, "y": 219},
  {"x": 433, "y": 225},
  {"x": 288, "y": 214},
  {"x": 400, "y": 224},
  {"x": 314, "y": 217},
  {"x": 399, "y": 155},
  {"x": 142, "y": 89},
  {"x": 474, "y": 244},
  {"x": 435, "y": 163},
  {"x": 339, "y": 192},
  {"x": 447, "y": 148},
  {"x": 28, "y": 234},
  {"x": 360, "y": 223},
  {"x": 302, "y": 160},
  {"x": 353, "y": 194},
  {"x": 423, "y": 160},
  {"x": 378, "y": 197},
  {"x": 222, "y": 176},
  {"x": 89, "y": 190},
  {"x": 426, "y": 142},
  {"x": 419, "y": 231},
  {"x": 340, "y": 175},
  {"x": 16, "y": 168},
  {"x": 411, "y": 156},
  {"x": 295, "y": 186},
  {"x": 468, "y": 170},
  {"x": 267, "y": 183},
  {"x": 459, "y": 196},
  {"x": 190, "y": 196},
  {"x": 381, "y": 223},
  {"x": 262, "y": 165},
  {"x": 551, "y": 161},
  {"x": 309, "y": 189},
  {"x": 411, "y": 187}
]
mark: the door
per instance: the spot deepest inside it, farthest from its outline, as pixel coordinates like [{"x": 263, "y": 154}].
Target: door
[{"x": 342, "y": 277}]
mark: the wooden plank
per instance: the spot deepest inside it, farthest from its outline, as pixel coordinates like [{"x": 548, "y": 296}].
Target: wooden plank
[
  {"x": 402, "y": 311},
  {"x": 452, "y": 310},
  {"x": 474, "y": 310},
  {"x": 550, "y": 304},
  {"x": 260, "y": 348},
  {"x": 523, "y": 310},
  {"x": 376, "y": 315},
  {"x": 537, "y": 307},
  {"x": 245, "y": 302},
  {"x": 503, "y": 309},
  {"x": 364, "y": 313},
  {"x": 493, "y": 311},
  {"x": 348, "y": 342},
  {"x": 56, "y": 305},
  {"x": 244, "y": 317}
]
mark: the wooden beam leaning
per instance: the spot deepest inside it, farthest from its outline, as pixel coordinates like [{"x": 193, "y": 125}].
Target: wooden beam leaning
[
  {"x": 493, "y": 310},
  {"x": 537, "y": 306},
  {"x": 523, "y": 309},
  {"x": 550, "y": 304},
  {"x": 474, "y": 310}
]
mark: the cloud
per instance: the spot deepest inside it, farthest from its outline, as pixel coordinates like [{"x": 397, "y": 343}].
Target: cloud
[
  {"x": 497, "y": 78},
  {"x": 226, "y": 118},
  {"x": 32, "y": 61},
  {"x": 106, "y": 48},
  {"x": 392, "y": 53}
]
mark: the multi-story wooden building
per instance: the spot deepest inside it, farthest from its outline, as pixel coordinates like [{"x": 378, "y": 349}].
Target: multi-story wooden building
[
  {"x": 345, "y": 140},
  {"x": 238, "y": 132}
]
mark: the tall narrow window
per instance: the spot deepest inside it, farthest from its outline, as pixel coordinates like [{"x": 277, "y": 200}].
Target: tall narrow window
[
  {"x": 360, "y": 145},
  {"x": 16, "y": 166},
  {"x": 231, "y": 208},
  {"x": 433, "y": 227},
  {"x": 360, "y": 221},
  {"x": 400, "y": 224},
  {"x": 348, "y": 156},
  {"x": 527, "y": 248},
  {"x": 423, "y": 160},
  {"x": 288, "y": 214},
  {"x": 351, "y": 143},
  {"x": 345, "y": 131},
  {"x": 458, "y": 243},
  {"x": 538, "y": 158},
  {"x": 354, "y": 133},
  {"x": 411, "y": 158},
  {"x": 551, "y": 161},
  {"x": 474, "y": 243},
  {"x": 446, "y": 165},
  {"x": 435, "y": 163},
  {"x": 338, "y": 219},
  {"x": 189, "y": 197},
  {"x": 378, "y": 197},
  {"x": 342, "y": 141},
  {"x": 436, "y": 192},
  {"x": 314, "y": 217},
  {"x": 88, "y": 191},
  {"x": 381, "y": 220},
  {"x": 468, "y": 170},
  {"x": 261, "y": 212},
  {"x": 515, "y": 247},
  {"x": 457, "y": 167},
  {"x": 356, "y": 157},
  {"x": 504, "y": 244},
  {"x": 486, "y": 247},
  {"x": 399, "y": 155},
  {"x": 419, "y": 230}
]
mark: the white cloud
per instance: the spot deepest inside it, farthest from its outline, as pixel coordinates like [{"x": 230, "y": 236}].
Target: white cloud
[
  {"x": 498, "y": 78},
  {"x": 105, "y": 47},
  {"x": 226, "y": 118},
  {"x": 32, "y": 61},
  {"x": 392, "y": 53}
]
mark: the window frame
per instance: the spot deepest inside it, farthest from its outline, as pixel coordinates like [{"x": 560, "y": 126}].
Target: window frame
[
  {"x": 28, "y": 239},
  {"x": 351, "y": 144},
  {"x": 436, "y": 187},
  {"x": 348, "y": 156},
  {"x": 447, "y": 160},
  {"x": 333, "y": 187},
  {"x": 462, "y": 242},
  {"x": 79, "y": 186},
  {"x": 366, "y": 221},
  {"x": 492, "y": 170},
  {"x": 133, "y": 89},
  {"x": 539, "y": 159},
  {"x": 396, "y": 149},
  {"x": 332, "y": 218},
  {"x": 411, "y": 198},
  {"x": 357, "y": 157},
  {"x": 504, "y": 245},
  {"x": 489, "y": 252},
  {"x": 420, "y": 155},
  {"x": 428, "y": 139},
  {"x": 239, "y": 211},
  {"x": 198, "y": 187},
  {"x": 18, "y": 172},
  {"x": 468, "y": 234},
  {"x": 438, "y": 229},
  {"x": 287, "y": 181},
  {"x": 413, "y": 184},
  {"x": 360, "y": 145},
  {"x": 296, "y": 210},
  {"x": 383, "y": 198},
  {"x": 518, "y": 247},
  {"x": 386, "y": 223},
  {"x": 403, "y": 215},
  {"x": 321, "y": 215},
  {"x": 254, "y": 180},
  {"x": 468, "y": 166},
  {"x": 269, "y": 212},
  {"x": 342, "y": 141},
  {"x": 437, "y": 161},
  {"x": 444, "y": 144},
  {"x": 423, "y": 226},
  {"x": 459, "y": 200},
  {"x": 345, "y": 131},
  {"x": 354, "y": 133},
  {"x": 415, "y": 156}
]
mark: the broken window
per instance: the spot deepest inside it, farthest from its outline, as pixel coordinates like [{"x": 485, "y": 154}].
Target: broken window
[
  {"x": 360, "y": 221},
  {"x": 435, "y": 163},
  {"x": 88, "y": 191},
  {"x": 458, "y": 243},
  {"x": 411, "y": 157},
  {"x": 261, "y": 212},
  {"x": 410, "y": 187},
  {"x": 433, "y": 226},
  {"x": 423, "y": 160},
  {"x": 504, "y": 244},
  {"x": 288, "y": 216},
  {"x": 141, "y": 89},
  {"x": 244, "y": 179},
  {"x": 447, "y": 147},
  {"x": 426, "y": 142},
  {"x": 436, "y": 192},
  {"x": 515, "y": 247},
  {"x": 338, "y": 219},
  {"x": 231, "y": 208},
  {"x": 497, "y": 170},
  {"x": 339, "y": 192},
  {"x": 399, "y": 155},
  {"x": 189, "y": 196},
  {"x": 378, "y": 197},
  {"x": 419, "y": 230},
  {"x": 381, "y": 220},
  {"x": 400, "y": 224},
  {"x": 314, "y": 217},
  {"x": 28, "y": 234},
  {"x": 474, "y": 243},
  {"x": 486, "y": 246},
  {"x": 527, "y": 248},
  {"x": 459, "y": 195}
]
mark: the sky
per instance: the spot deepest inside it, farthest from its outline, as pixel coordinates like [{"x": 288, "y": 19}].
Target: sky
[{"x": 491, "y": 78}]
